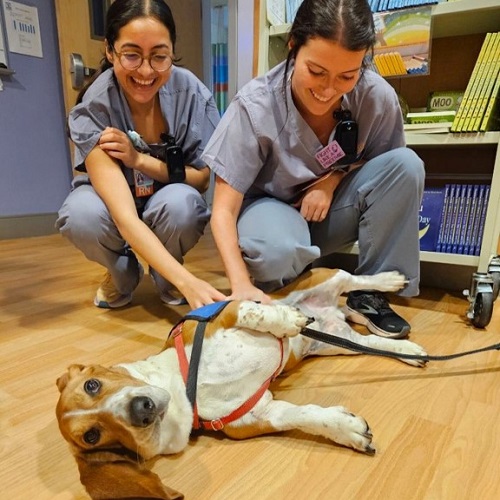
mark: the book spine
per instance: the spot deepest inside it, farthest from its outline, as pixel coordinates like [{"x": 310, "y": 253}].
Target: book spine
[
  {"x": 472, "y": 215},
  {"x": 464, "y": 106},
  {"x": 465, "y": 218},
  {"x": 444, "y": 215},
  {"x": 484, "y": 209},
  {"x": 453, "y": 219},
  {"x": 449, "y": 217},
  {"x": 477, "y": 216},
  {"x": 459, "y": 219}
]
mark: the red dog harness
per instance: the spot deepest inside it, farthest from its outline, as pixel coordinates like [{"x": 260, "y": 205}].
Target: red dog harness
[{"x": 189, "y": 370}]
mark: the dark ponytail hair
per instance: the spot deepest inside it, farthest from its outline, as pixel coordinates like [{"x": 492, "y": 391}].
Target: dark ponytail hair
[
  {"x": 347, "y": 22},
  {"x": 122, "y": 12}
]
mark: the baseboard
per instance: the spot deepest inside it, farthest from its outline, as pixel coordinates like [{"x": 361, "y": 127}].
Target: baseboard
[{"x": 25, "y": 226}]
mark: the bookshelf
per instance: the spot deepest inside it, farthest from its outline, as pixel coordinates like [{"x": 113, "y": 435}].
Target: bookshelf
[{"x": 458, "y": 30}]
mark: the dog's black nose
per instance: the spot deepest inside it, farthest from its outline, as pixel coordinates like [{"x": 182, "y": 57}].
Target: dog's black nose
[{"x": 143, "y": 411}]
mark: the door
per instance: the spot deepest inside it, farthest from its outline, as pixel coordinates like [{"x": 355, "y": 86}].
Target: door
[{"x": 73, "y": 28}]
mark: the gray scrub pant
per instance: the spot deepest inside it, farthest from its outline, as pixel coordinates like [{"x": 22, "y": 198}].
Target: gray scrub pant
[
  {"x": 177, "y": 214},
  {"x": 376, "y": 205}
]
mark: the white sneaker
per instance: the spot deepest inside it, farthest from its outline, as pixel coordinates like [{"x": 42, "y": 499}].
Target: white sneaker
[{"x": 108, "y": 297}]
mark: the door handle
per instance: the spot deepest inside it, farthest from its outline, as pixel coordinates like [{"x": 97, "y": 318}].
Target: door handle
[{"x": 78, "y": 71}]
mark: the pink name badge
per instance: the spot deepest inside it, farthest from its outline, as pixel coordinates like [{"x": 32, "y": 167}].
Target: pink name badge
[{"x": 329, "y": 154}]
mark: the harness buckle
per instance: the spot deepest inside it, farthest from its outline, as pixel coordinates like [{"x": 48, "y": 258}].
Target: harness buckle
[{"x": 217, "y": 424}]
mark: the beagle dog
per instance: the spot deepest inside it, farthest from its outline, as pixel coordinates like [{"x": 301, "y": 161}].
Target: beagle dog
[{"x": 116, "y": 418}]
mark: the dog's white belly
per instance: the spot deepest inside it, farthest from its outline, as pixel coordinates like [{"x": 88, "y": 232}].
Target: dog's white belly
[{"x": 245, "y": 360}]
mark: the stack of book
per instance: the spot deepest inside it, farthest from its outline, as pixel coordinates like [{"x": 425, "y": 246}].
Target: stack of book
[
  {"x": 429, "y": 121},
  {"x": 390, "y": 64},
  {"x": 478, "y": 111},
  {"x": 452, "y": 218}
]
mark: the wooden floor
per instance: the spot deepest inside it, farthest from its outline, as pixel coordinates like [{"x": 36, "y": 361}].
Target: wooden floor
[{"x": 437, "y": 430}]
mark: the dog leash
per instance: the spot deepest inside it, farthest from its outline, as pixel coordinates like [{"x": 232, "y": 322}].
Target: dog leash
[{"x": 353, "y": 346}]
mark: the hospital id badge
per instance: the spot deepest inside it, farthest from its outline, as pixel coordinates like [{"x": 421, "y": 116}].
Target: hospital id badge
[
  {"x": 329, "y": 155},
  {"x": 143, "y": 184}
]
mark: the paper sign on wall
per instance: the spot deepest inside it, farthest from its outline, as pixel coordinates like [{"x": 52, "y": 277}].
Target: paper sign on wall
[{"x": 23, "y": 28}]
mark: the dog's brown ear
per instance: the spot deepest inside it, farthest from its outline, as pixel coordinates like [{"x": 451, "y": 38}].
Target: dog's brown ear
[
  {"x": 63, "y": 379},
  {"x": 106, "y": 480}
]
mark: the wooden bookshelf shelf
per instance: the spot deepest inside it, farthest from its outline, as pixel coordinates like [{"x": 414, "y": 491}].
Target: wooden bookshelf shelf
[
  {"x": 465, "y": 17},
  {"x": 434, "y": 257},
  {"x": 459, "y": 139}
]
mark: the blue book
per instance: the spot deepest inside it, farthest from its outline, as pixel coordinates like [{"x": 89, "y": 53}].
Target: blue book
[
  {"x": 444, "y": 215},
  {"x": 429, "y": 218},
  {"x": 459, "y": 222},
  {"x": 452, "y": 218},
  {"x": 466, "y": 207},
  {"x": 477, "y": 217},
  {"x": 470, "y": 224},
  {"x": 484, "y": 209}
]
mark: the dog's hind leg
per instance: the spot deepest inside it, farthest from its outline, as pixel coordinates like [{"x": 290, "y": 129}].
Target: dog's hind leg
[
  {"x": 343, "y": 330},
  {"x": 334, "y": 423},
  {"x": 327, "y": 293}
]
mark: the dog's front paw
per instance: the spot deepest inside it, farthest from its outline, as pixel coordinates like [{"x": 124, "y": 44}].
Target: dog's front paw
[
  {"x": 279, "y": 320},
  {"x": 293, "y": 322},
  {"x": 390, "y": 281}
]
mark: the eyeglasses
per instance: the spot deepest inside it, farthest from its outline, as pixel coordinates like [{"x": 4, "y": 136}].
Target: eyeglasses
[{"x": 134, "y": 60}]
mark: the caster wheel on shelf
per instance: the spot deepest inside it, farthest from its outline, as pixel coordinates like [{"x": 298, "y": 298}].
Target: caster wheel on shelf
[
  {"x": 481, "y": 299},
  {"x": 494, "y": 272},
  {"x": 496, "y": 284},
  {"x": 482, "y": 309}
]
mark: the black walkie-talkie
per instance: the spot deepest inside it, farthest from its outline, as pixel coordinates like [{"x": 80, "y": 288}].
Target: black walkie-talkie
[
  {"x": 174, "y": 158},
  {"x": 346, "y": 134}
]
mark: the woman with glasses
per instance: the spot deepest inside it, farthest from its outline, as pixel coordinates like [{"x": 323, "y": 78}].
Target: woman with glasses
[{"x": 139, "y": 128}]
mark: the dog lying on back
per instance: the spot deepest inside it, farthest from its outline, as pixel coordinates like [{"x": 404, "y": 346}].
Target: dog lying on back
[{"x": 115, "y": 418}]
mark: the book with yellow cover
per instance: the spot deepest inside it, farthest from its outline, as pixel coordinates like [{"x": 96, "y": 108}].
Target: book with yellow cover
[
  {"x": 486, "y": 77},
  {"x": 479, "y": 83},
  {"x": 464, "y": 108},
  {"x": 488, "y": 86},
  {"x": 381, "y": 65},
  {"x": 491, "y": 116}
]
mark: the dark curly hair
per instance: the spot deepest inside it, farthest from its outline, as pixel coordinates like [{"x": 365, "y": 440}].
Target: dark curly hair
[{"x": 122, "y": 12}]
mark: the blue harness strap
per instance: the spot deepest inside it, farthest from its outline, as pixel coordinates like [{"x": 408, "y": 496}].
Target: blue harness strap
[
  {"x": 203, "y": 315},
  {"x": 208, "y": 312}
]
